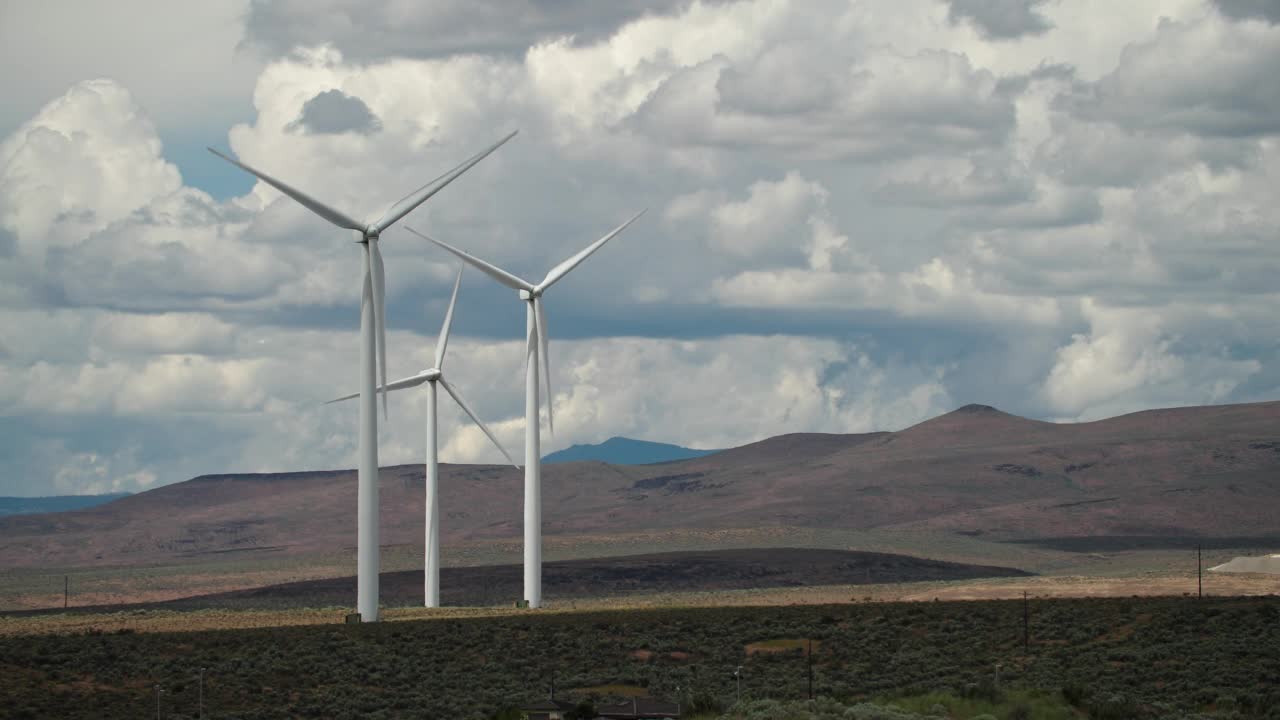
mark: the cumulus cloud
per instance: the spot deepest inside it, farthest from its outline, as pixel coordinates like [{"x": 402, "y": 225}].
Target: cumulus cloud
[
  {"x": 1209, "y": 77},
  {"x": 864, "y": 214},
  {"x": 181, "y": 251},
  {"x": 166, "y": 333},
  {"x": 759, "y": 226},
  {"x": 90, "y": 157},
  {"x": 980, "y": 179},
  {"x": 747, "y": 386},
  {"x": 1127, "y": 363},
  {"x": 88, "y": 473},
  {"x": 883, "y": 106}
]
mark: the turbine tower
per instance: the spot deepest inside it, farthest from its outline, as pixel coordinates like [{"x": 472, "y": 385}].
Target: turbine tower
[
  {"x": 536, "y": 350},
  {"x": 372, "y": 349},
  {"x": 431, "y": 376}
]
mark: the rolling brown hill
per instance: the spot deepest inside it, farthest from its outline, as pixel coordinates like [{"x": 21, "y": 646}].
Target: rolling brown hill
[{"x": 1200, "y": 471}]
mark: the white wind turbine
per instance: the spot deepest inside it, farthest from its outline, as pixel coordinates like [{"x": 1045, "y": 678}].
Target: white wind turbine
[
  {"x": 431, "y": 376},
  {"x": 372, "y": 349},
  {"x": 536, "y": 332}
]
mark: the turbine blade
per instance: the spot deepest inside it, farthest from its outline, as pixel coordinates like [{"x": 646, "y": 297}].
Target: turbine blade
[
  {"x": 491, "y": 270},
  {"x": 336, "y": 217},
  {"x": 467, "y": 409},
  {"x": 379, "y": 312},
  {"x": 419, "y": 196},
  {"x": 408, "y": 382},
  {"x": 366, "y": 298},
  {"x": 531, "y": 346},
  {"x": 543, "y": 341},
  {"x": 443, "y": 342},
  {"x": 563, "y": 268}
]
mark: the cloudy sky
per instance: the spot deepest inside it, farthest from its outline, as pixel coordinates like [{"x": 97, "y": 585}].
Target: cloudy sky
[{"x": 861, "y": 214}]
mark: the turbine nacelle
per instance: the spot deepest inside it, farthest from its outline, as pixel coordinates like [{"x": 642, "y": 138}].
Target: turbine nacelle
[
  {"x": 529, "y": 295},
  {"x": 431, "y": 374}
]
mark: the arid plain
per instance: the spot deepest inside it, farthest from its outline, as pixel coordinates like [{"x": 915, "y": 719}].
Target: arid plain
[{"x": 1115, "y": 507}]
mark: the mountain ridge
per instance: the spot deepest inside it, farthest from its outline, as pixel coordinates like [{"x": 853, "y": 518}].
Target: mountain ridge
[{"x": 1202, "y": 471}]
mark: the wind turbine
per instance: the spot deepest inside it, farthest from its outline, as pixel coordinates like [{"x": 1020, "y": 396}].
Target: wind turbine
[
  {"x": 372, "y": 349},
  {"x": 536, "y": 332},
  {"x": 431, "y": 376}
]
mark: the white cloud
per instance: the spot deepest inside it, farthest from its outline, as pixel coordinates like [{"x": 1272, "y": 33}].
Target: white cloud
[
  {"x": 91, "y": 156},
  {"x": 88, "y": 473},
  {"x": 869, "y": 211},
  {"x": 1128, "y": 362},
  {"x": 1209, "y": 76},
  {"x": 745, "y": 388},
  {"x": 884, "y": 106},
  {"x": 760, "y": 227}
]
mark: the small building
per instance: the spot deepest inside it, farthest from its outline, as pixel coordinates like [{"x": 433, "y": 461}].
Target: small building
[
  {"x": 1261, "y": 564},
  {"x": 547, "y": 710},
  {"x": 643, "y": 708}
]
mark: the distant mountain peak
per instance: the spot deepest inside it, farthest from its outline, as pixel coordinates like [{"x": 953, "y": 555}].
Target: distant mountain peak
[
  {"x": 974, "y": 409},
  {"x": 54, "y": 503},
  {"x": 619, "y": 450},
  {"x": 966, "y": 423}
]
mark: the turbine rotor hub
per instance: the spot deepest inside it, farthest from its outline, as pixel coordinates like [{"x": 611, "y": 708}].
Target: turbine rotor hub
[
  {"x": 530, "y": 294},
  {"x": 432, "y": 375}
]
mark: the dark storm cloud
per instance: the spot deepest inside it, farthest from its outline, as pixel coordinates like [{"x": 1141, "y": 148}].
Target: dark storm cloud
[
  {"x": 384, "y": 28},
  {"x": 1268, "y": 10},
  {"x": 334, "y": 112},
  {"x": 1000, "y": 19}
]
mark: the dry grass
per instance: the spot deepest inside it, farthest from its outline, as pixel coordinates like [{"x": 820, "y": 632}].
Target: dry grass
[
  {"x": 73, "y": 623},
  {"x": 1152, "y": 584},
  {"x": 26, "y": 589},
  {"x": 1146, "y": 584},
  {"x": 781, "y": 645}
]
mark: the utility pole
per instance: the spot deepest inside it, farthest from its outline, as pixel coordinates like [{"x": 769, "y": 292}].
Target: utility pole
[
  {"x": 201, "y": 706},
  {"x": 737, "y": 677},
  {"x": 1026, "y": 625},
  {"x": 157, "y": 701},
  {"x": 810, "y": 656},
  {"x": 66, "y": 590},
  {"x": 1199, "y": 574}
]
